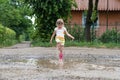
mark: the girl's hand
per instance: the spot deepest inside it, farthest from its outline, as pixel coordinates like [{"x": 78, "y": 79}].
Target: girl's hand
[{"x": 73, "y": 38}]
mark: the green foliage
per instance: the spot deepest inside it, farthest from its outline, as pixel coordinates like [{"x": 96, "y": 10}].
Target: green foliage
[
  {"x": 14, "y": 15},
  {"x": 7, "y": 36},
  {"x": 94, "y": 15},
  {"x": 79, "y": 44},
  {"x": 42, "y": 44},
  {"x": 118, "y": 37},
  {"x": 29, "y": 33},
  {"x": 109, "y": 39},
  {"x": 110, "y": 36},
  {"x": 77, "y": 31},
  {"x": 47, "y": 12}
]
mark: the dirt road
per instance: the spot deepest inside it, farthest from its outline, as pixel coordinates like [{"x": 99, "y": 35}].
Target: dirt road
[{"x": 22, "y": 62}]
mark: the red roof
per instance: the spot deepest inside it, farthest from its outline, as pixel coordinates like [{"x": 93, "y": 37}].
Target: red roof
[{"x": 113, "y": 5}]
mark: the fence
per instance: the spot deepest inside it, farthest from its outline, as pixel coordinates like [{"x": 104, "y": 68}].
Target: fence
[{"x": 97, "y": 32}]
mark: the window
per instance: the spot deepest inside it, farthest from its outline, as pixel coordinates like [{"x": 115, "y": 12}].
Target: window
[{"x": 84, "y": 16}]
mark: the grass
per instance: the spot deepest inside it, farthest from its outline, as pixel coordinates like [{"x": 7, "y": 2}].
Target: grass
[
  {"x": 68, "y": 44},
  {"x": 42, "y": 44},
  {"x": 79, "y": 44},
  {"x": 8, "y": 43}
]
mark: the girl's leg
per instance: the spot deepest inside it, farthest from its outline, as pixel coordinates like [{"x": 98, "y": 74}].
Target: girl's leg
[
  {"x": 61, "y": 52},
  {"x": 60, "y": 48}
]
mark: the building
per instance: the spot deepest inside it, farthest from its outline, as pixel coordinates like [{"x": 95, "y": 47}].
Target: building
[{"x": 112, "y": 7}]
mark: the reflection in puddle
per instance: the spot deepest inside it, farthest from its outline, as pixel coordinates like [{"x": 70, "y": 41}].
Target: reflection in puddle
[
  {"x": 55, "y": 64},
  {"x": 32, "y": 61}
]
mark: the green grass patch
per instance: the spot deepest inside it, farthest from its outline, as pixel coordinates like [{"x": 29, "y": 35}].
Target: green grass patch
[
  {"x": 78, "y": 44},
  {"x": 42, "y": 44}
]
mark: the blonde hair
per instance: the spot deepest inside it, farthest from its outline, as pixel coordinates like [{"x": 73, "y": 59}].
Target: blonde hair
[{"x": 59, "y": 22}]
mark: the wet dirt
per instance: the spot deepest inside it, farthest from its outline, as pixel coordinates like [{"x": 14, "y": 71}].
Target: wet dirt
[{"x": 39, "y": 63}]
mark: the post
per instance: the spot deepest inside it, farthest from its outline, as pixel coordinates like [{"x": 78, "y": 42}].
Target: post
[{"x": 107, "y": 15}]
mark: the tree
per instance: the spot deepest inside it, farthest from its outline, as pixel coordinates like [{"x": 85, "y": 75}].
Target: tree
[
  {"x": 47, "y": 12},
  {"x": 91, "y": 18},
  {"x": 13, "y": 15}
]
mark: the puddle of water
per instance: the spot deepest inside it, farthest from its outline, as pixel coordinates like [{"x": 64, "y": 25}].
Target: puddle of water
[
  {"x": 32, "y": 61},
  {"x": 72, "y": 69},
  {"x": 55, "y": 64},
  {"x": 22, "y": 61}
]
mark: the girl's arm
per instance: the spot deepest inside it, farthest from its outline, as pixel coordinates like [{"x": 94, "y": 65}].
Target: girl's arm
[
  {"x": 52, "y": 36},
  {"x": 69, "y": 35}
]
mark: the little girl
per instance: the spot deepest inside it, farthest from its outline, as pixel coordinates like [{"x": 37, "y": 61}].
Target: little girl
[{"x": 60, "y": 31}]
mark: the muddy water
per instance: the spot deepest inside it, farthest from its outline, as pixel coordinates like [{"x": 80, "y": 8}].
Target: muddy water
[{"x": 43, "y": 64}]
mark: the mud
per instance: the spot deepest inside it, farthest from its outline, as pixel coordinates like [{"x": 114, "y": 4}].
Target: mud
[{"x": 39, "y": 63}]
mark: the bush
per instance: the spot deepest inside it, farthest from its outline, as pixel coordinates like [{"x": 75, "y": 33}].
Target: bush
[
  {"x": 7, "y": 36},
  {"x": 118, "y": 37},
  {"x": 110, "y": 36},
  {"x": 77, "y": 31}
]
